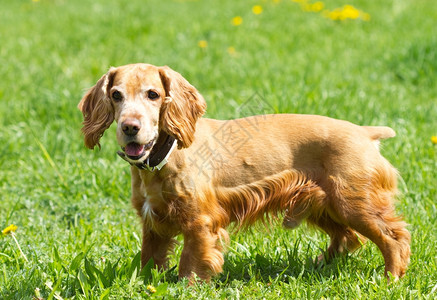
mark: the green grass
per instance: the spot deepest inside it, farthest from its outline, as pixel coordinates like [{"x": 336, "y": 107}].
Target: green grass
[{"x": 71, "y": 205}]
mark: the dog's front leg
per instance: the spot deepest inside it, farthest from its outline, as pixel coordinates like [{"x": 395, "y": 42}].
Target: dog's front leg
[
  {"x": 202, "y": 253},
  {"x": 155, "y": 246}
]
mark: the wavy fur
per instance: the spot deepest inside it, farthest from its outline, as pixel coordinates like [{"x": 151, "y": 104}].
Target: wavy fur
[
  {"x": 288, "y": 191},
  {"x": 328, "y": 172},
  {"x": 182, "y": 107},
  {"x": 97, "y": 110}
]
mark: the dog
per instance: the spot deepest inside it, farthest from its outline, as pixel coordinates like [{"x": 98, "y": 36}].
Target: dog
[{"x": 195, "y": 176}]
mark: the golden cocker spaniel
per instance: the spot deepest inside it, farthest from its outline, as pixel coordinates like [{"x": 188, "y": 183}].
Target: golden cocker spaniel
[{"x": 194, "y": 176}]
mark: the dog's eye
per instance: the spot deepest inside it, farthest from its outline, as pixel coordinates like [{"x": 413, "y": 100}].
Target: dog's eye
[
  {"x": 117, "y": 96},
  {"x": 152, "y": 95}
]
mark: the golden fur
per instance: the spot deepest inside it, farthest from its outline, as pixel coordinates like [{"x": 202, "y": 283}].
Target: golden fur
[{"x": 328, "y": 172}]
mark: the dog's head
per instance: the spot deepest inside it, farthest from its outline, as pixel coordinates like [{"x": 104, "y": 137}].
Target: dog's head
[{"x": 143, "y": 100}]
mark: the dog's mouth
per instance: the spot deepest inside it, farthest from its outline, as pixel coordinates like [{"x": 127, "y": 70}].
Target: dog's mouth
[{"x": 135, "y": 151}]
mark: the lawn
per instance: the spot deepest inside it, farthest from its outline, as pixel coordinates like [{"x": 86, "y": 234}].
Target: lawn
[{"x": 373, "y": 63}]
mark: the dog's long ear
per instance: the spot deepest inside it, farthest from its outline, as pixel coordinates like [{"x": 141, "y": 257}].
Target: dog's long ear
[
  {"x": 182, "y": 107},
  {"x": 97, "y": 110}
]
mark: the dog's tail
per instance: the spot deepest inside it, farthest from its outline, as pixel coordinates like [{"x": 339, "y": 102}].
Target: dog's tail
[{"x": 379, "y": 132}]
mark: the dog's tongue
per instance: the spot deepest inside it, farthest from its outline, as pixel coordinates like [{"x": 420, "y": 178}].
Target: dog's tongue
[{"x": 134, "y": 149}]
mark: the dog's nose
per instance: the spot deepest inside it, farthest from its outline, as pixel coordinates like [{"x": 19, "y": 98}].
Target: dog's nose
[{"x": 131, "y": 127}]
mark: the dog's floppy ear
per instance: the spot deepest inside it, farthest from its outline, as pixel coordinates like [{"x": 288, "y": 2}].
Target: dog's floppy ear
[
  {"x": 97, "y": 110},
  {"x": 182, "y": 107}
]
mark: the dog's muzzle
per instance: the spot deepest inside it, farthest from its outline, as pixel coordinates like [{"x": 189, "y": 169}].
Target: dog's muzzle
[
  {"x": 135, "y": 151},
  {"x": 157, "y": 157}
]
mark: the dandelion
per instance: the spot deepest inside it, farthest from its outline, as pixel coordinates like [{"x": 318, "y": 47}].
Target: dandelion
[
  {"x": 232, "y": 52},
  {"x": 10, "y": 230},
  {"x": 202, "y": 44},
  {"x": 334, "y": 15},
  {"x": 346, "y": 12},
  {"x": 317, "y": 6},
  {"x": 350, "y": 12},
  {"x": 257, "y": 9},
  {"x": 434, "y": 139},
  {"x": 237, "y": 21},
  {"x": 151, "y": 288}
]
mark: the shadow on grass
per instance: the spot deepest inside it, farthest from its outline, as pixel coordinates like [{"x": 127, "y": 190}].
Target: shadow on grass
[
  {"x": 289, "y": 265},
  {"x": 263, "y": 269},
  {"x": 267, "y": 270}
]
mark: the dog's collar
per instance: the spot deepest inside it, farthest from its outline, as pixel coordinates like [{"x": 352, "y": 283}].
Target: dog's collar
[{"x": 157, "y": 157}]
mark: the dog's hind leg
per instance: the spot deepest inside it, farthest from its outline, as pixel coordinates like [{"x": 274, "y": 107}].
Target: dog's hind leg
[
  {"x": 388, "y": 232},
  {"x": 367, "y": 207},
  {"x": 343, "y": 238},
  {"x": 311, "y": 203}
]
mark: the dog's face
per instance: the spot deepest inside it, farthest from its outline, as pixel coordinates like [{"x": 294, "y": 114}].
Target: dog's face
[
  {"x": 137, "y": 95},
  {"x": 143, "y": 100}
]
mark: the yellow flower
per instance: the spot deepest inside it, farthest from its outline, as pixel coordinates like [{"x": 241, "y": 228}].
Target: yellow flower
[
  {"x": 35, "y": 0},
  {"x": 434, "y": 139},
  {"x": 334, "y": 15},
  {"x": 237, "y": 21},
  {"x": 350, "y": 12},
  {"x": 317, "y": 6},
  {"x": 257, "y": 9},
  {"x": 345, "y": 12},
  {"x": 232, "y": 51},
  {"x": 202, "y": 44},
  {"x": 151, "y": 288},
  {"x": 9, "y": 229}
]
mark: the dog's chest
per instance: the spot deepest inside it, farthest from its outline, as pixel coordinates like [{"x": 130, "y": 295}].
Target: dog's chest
[{"x": 150, "y": 203}]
